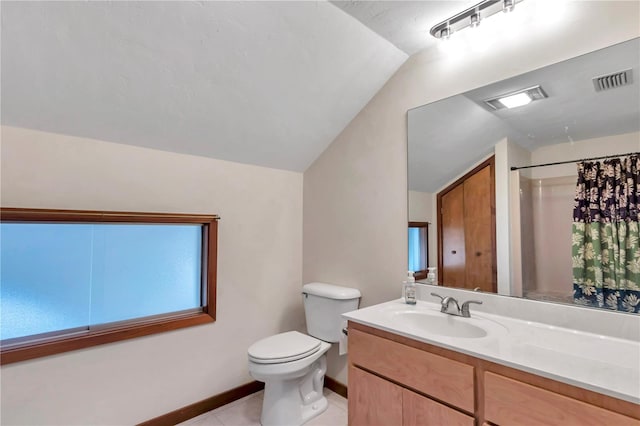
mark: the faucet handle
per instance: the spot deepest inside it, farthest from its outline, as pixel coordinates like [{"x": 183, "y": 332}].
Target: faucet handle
[
  {"x": 437, "y": 295},
  {"x": 464, "y": 309}
]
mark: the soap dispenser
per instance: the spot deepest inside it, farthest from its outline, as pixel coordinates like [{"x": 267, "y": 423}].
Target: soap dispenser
[
  {"x": 409, "y": 289},
  {"x": 431, "y": 275}
]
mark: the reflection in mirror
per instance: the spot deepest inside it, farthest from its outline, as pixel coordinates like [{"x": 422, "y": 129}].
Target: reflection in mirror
[
  {"x": 418, "y": 249},
  {"x": 585, "y": 107}
]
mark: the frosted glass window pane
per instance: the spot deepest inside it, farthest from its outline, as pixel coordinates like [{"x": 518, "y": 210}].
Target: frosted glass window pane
[
  {"x": 414, "y": 249},
  {"x": 45, "y": 275},
  {"x": 55, "y": 277},
  {"x": 142, "y": 270}
]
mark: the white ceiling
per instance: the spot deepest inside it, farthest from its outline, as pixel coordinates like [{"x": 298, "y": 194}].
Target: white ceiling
[
  {"x": 440, "y": 148},
  {"x": 266, "y": 83}
]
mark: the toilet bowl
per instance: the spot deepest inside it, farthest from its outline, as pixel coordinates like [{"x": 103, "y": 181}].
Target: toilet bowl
[{"x": 292, "y": 365}]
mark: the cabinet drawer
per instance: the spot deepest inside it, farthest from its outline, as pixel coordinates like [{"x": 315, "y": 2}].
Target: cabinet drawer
[
  {"x": 444, "y": 379},
  {"x": 509, "y": 402}
]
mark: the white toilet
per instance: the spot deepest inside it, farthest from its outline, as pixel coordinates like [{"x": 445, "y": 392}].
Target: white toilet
[{"x": 292, "y": 365}]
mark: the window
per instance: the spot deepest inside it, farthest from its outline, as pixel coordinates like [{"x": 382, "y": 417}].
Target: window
[
  {"x": 418, "y": 249},
  {"x": 74, "y": 279}
]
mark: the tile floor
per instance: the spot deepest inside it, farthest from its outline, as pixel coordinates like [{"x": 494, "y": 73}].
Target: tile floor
[{"x": 246, "y": 412}]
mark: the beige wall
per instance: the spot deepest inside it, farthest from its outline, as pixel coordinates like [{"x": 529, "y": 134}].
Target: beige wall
[
  {"x": 617, "y": 144},
  {"x": 355, "y": 193},
  {"x": 420, "y": 206},
  {"x": 259, "y": 276}
]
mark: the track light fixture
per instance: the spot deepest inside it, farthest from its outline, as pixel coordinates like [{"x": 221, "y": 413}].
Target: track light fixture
[
  {"x": 471, "y": 17},
  {"x": 508, "y": 5},
  {"x": 475, "y": 19}
]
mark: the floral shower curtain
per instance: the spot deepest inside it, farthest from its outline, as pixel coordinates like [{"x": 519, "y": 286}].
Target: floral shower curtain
[{"x": 606, "y": 241}]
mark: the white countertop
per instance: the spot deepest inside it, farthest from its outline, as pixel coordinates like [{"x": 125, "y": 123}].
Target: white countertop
[{"x": 603, "y": 364}]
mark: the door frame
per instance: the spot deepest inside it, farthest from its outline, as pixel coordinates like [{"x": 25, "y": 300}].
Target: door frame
[{"x": 491, "y": 161}]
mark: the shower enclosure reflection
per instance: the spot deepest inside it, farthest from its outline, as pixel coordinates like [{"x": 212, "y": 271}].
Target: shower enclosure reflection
[{"x": 546, "y": 210}]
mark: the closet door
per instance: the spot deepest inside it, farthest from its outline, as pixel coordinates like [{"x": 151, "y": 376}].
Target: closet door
[
  {"x": 453, "y": 238},
  {"x": 467, "y": 232},
  {"x": 478, "y": 230}
]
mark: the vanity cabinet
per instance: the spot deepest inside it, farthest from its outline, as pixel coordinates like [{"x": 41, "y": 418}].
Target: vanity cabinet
[
  {"x": 376, "y": 401},
  {"x": 508, "y": 401},
  {"x": 397, "y": 381}
]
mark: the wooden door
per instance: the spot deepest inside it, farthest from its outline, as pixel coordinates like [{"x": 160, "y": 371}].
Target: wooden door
[
  {"x": 467, "y": 231},
  {"x": 478, "y": 230},
  {"x": 422, "y": 411},
  {"x": 372, "y": 400},
  {"x": 453, "y": 238}
]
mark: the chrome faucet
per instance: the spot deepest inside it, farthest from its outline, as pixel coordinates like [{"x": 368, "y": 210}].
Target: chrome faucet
[
  {"x": 461, "y": 311},
  {"x": 445, "y": 302}
]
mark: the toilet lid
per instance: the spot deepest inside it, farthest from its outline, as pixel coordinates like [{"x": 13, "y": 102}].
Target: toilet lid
[{"x": 284, "y": 347}]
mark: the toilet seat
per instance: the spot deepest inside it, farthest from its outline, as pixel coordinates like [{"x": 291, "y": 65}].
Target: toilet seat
[{"x": 283, "y": 347}]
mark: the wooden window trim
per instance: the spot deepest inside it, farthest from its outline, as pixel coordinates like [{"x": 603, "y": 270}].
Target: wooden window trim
[{"x": 128, "y": 330}]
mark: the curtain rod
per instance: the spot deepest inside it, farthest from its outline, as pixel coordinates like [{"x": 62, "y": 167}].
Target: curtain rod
[{"x": 576, "y": 161}]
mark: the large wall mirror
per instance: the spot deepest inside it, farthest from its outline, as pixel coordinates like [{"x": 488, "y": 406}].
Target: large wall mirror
[{"x": 563, "y": 226}]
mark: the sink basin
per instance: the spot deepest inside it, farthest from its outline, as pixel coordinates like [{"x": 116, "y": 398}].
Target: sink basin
[
  {"x": 441, "y": 324},
  {"x": 426, "y": 320}
]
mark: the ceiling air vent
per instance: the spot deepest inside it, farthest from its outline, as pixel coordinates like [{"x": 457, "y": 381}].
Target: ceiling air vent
[{"x": 611, "y": 81}]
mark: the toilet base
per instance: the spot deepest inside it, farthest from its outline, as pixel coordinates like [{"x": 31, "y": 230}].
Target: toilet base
[{"x": 293, "y": 402}]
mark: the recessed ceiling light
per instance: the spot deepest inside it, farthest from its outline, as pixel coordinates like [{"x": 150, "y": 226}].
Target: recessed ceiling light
[{"x": 517, "y": 98}]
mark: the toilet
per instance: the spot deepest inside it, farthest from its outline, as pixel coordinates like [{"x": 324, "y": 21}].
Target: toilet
[{"x": 292, "y": 365}]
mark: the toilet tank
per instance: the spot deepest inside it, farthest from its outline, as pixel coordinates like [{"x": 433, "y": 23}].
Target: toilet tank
[{"x": 323, "y": 306}]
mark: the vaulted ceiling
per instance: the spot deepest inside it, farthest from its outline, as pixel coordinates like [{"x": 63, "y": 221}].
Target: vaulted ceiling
[{"x": 265, "y": 83}]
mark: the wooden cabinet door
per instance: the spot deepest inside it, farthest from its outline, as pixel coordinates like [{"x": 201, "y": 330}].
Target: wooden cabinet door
[
  {"x": 453, "y": 236},
  {"x": 373, "y": 401},
  {"x": 478, "y": 230},
  {"x": 422, "y": 411}
]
